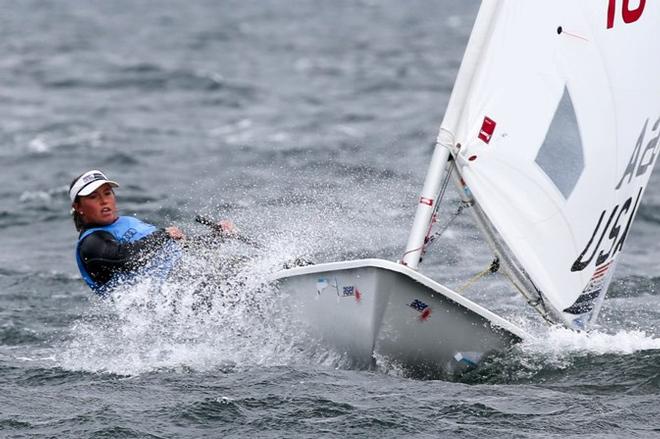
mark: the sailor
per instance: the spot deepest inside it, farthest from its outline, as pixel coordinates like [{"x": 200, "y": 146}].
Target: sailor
[{"x": 112, "y": 249}]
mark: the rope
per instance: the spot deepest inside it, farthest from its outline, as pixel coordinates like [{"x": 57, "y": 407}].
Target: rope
[
  {"x": 445, "y": 182},
  {"x": 492, "y": 268},
  {"x": 537, "y": 303},
  {"x": 429, "y": 239}
]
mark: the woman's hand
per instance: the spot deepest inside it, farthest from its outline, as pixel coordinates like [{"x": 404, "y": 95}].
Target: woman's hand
[
  {"x": 227, "y": 227},
  {"x": 175, "y": 232}
]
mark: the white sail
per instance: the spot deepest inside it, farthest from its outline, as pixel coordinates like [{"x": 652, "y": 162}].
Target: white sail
[{"x": 556, "y": 137}]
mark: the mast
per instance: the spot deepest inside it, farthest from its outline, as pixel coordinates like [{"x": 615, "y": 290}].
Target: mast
[
  {"x": 445, "y": 142},
  {"x": 426, "y": 206}
]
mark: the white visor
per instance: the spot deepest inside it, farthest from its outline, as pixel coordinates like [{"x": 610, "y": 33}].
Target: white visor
[{"x": 88, "y": 183}]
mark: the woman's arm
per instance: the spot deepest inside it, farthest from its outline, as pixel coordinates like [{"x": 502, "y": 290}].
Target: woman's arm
[{"x": 103, "y": 255}]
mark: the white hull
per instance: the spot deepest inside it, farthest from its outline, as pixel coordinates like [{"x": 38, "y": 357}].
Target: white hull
[{"x": 372, "y": 306}]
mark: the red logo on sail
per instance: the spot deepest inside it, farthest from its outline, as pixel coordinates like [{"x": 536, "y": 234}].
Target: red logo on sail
[{"x": 487, "y": 129}]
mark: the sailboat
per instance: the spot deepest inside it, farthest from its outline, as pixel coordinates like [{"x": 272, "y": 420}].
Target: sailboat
[{"x": 550, "y": 136}]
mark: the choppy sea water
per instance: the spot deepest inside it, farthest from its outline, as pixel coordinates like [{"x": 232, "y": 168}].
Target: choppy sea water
[{"x": 310, "y": 125}]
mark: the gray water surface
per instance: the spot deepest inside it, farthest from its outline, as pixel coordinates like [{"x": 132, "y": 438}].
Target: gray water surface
[{"x": 310, "y": 124}]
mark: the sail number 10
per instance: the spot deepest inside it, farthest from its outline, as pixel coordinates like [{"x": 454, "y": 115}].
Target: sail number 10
[{"x": 629, "y": 15}]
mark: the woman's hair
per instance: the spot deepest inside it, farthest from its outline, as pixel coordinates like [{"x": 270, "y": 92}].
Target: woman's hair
[{"x": 78, "y": 220}]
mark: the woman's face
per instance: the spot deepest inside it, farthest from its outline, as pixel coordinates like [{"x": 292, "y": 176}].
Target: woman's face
[{"x": 99, "y": 207}]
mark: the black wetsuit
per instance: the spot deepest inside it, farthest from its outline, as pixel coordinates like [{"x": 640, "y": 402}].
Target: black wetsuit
[{"x": 104, "y": 256}]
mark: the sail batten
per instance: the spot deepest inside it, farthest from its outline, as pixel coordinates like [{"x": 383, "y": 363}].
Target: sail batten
[{"x": 559, "y": 128}]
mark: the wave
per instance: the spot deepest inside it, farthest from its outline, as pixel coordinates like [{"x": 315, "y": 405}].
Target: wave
[
  {"x": 11, "y": 335},
  {"x": 43, "y": 197},
  {"x": 36, "y": 206},
  {"x": 16, "y": 282},
  {"x": 228, "y": 317},
  {"x": 216, "y": 312},
  {"x": 634, "y": 286},
  {"x": 40, "y": 213},
  {"x": 649, "y": 213},
  {"x": 120, "y": 159},
  {"x": 559, "y": 341},
  {"x": 151, "y": 76},
  {"x": 10, "y": 219},
  {"x": 359, "y": 172},
  {"x": 43, "y": 144},
  {"x": 596, "y": 362}
]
